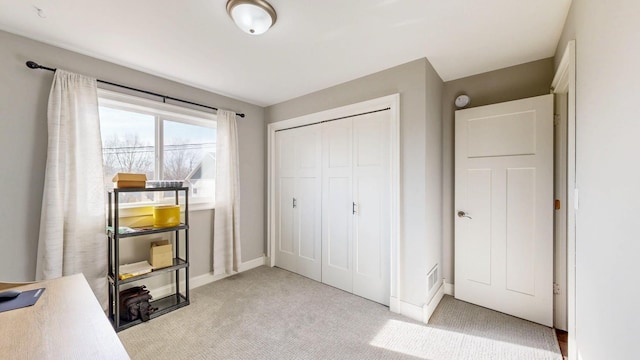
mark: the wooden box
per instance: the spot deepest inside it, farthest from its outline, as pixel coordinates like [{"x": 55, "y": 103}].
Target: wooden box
[{"x": 128, "y": 180}]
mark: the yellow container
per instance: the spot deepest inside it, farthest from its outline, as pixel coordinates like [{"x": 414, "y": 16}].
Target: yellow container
[{"x": 166, "y": 216}]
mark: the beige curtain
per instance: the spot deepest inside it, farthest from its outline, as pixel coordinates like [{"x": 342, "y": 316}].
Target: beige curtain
[
  {"x": 72, "y": 224},
  {"x": 226, "y": 228}
]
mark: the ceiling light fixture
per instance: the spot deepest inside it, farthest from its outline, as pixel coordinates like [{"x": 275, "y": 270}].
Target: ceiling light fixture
[{"x": 254, "y": 17}]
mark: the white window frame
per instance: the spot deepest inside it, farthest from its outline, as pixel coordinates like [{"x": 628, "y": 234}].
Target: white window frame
[{"x": 161, "y": 111}]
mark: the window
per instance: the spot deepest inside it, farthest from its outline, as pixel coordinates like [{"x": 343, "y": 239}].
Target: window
[{"x": 163, "y": 141}]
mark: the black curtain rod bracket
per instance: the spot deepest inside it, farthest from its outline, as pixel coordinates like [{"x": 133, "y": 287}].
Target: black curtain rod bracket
[{"x": 34, "y": 65}]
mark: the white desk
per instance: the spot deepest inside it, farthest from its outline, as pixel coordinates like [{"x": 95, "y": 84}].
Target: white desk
[{"x": 67, "y": 322}]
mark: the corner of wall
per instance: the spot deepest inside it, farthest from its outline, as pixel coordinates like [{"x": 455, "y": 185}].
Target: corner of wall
[{"x": 430, "y": 307}]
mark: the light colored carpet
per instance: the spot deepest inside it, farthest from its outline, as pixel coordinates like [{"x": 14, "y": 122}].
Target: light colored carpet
[{"x": 269, "y": 313}]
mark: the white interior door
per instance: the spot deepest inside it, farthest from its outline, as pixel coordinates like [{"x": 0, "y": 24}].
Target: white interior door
[
  {"x": 337, "y": 204},
  {"x": 504, "y": 205},
  {"x": 371, "y": 194},
  {"x": 298, "y": 201},
  {"x": 357, "y": 205}
]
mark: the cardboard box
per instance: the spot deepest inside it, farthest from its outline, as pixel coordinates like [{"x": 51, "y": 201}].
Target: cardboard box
[
  {"x": 128, "y": 180},
  {"x": 161, "y": 254}
]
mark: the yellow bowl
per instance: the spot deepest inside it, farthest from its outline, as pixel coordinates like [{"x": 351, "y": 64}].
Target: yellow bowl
[{"x": 166, "y": 216}]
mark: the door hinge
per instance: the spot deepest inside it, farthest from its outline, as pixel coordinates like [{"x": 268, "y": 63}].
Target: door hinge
[
  {"x": 294, "y": 203},
  {"x": 556, "y": 289},
  {"x": 556, "y": 119}
]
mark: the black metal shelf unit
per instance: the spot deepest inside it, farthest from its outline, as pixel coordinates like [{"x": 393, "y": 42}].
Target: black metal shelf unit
[{"x": 168, "y": 303}]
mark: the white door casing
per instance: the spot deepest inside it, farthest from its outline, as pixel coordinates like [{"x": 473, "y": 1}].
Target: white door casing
[
  {"x": 564, "y": 83},
  {"x": 560, "y": 212},
  {"x": 504, "y": 189},
  {"x": 298, "y": 202}
]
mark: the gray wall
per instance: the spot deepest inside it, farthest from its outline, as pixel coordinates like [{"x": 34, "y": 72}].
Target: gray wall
[
  {"x": 23, "y": 144},
  {"x": 512, "y": 83},
  {"x": 420, "y": 151},
  {"x": 607, "y": 35}
]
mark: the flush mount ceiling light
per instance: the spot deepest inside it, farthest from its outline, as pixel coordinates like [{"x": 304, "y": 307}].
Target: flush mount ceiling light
[{"x": 254, "y": 17}]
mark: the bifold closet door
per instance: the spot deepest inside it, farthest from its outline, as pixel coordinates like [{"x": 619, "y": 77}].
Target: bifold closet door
[
  {"x": 356, "y": 205},
  {"x": 298, "y": 201},
  {"x": 337, "y": 204}
]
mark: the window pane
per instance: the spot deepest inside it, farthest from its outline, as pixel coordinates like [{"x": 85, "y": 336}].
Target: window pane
[
  {"x": 189, "y": 155},
  {"x": 127, "y": 146}
]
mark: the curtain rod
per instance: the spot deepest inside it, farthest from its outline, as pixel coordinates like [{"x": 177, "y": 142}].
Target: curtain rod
[{"x": 34, "y": 65}]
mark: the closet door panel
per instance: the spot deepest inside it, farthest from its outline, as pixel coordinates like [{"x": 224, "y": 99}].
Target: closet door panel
[
  {"x": 368, "y": 236},
  {"x": 286, "y": 243},
  {"x": 309, "y": 228},
  {"x": 308, "y": 162},
  {"x": 285, "y": 154},
  {"x": 298, "y": 227},
  {"x": 285, "y": 193},
  {"x": 307, "y": 224},
  {"x": 370, "y": 136},
  {"x": 337, "y": 205},
  {"x": 338, "y": 225},
  {"x": 372, "y": 195}
]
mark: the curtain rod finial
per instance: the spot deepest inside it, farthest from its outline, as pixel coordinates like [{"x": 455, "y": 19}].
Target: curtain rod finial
[{"x": 32, "y": 65}]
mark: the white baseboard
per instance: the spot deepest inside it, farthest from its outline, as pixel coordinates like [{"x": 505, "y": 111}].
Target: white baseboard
[
  {"x": 433, "y": 304},
  {"x": 449, "y": 289},
  {"x": 205, "y": 279},
  {"x": 267, "y": 261},
  {"x": 252, "y": 264},
  {"x": 403, "y": 308}
]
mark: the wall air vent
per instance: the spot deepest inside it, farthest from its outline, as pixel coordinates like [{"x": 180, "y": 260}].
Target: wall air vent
[{"x": 433, "y": 277}]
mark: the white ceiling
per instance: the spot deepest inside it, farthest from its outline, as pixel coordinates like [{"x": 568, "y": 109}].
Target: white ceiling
[{"x": 314, "y": 44}]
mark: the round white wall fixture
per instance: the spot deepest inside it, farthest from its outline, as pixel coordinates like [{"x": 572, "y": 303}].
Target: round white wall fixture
[{"x": 462, "y": 101}]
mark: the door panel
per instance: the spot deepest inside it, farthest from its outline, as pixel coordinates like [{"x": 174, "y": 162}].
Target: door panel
[
  {"x": 521, "y": 236},
  {"x": 308, "y": 201},
  {"x": 307, "y": 219},
  {"x": 517, "y": 135},
  {"x": 504, "y": 182},
  {"x": 368, "y": 235},
  {"x": 285, "y": 243},
  {"x": 372, "y": 231},
  {"x": 337, "y": 201},
  {"x": 338, "y": 226},
  {"x": 369, "y": 138},
  {"x": 298, "y": 229},
  {"x": 285, "y": 193},
  {"x": 478, "y": 258}
]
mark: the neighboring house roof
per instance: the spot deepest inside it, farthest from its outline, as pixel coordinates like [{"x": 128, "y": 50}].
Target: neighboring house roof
[{"x": 206, "y": 169}]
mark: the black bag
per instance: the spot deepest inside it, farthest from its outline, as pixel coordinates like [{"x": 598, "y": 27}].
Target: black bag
[{"x": 135, "y": 303}]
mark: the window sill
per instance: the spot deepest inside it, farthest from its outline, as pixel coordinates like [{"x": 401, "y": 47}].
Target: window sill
[{"x": 137, "y": 210}]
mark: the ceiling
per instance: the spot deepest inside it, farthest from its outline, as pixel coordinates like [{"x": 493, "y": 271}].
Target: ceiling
[{"x": 314, "y": 44}]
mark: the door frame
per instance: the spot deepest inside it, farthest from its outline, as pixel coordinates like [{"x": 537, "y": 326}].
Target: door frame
[
  {"x": 564, "y": 82},
  {"x": 392, "y": 102}
]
